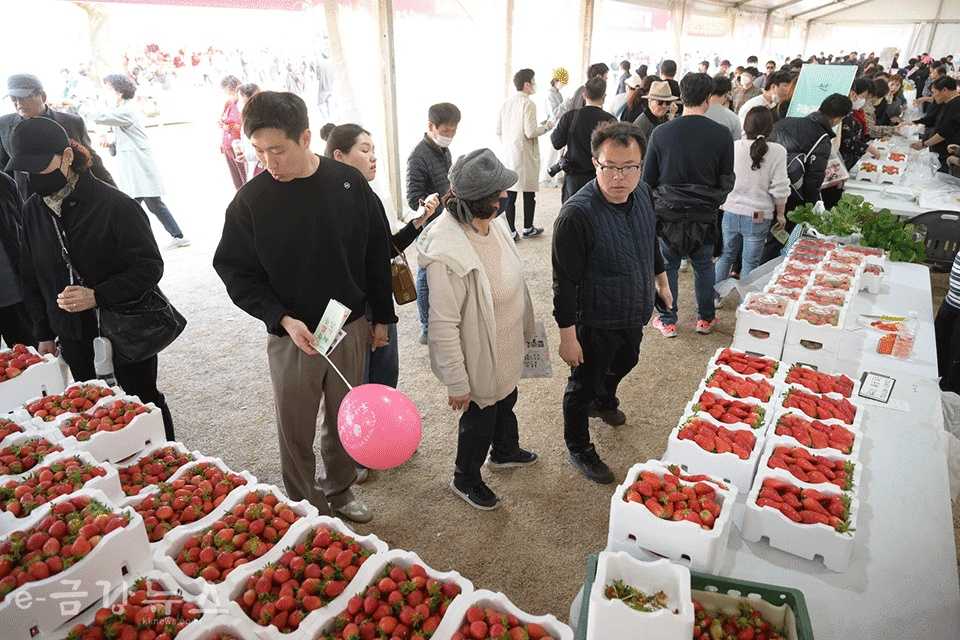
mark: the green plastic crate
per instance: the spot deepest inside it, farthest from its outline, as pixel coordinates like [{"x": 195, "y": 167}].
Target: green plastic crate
[{"x": 705, "y": 582}]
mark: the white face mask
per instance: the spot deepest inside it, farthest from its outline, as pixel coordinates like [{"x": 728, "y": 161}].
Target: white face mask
[
  {"x": 859, "y": 104},
  {"x": 442, "y": 141}
]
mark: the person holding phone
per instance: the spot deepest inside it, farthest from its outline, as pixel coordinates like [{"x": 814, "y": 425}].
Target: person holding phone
[{"x": 759, "y": 194}]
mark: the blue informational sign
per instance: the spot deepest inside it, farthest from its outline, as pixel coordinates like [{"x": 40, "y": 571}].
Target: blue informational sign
[{"x": 816, "y": 82}]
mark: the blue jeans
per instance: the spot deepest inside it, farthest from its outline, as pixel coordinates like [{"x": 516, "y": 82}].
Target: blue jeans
[
  {"x": 383, "y": 365},
  {"x": 423, "y": 299},
  {"x": 703, "y": 280},
  {"x": 753, "y": 234}
]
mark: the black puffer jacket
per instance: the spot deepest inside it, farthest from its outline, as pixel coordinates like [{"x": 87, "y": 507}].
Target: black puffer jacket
[
  {"x": 10, "y": 221},
  {"x": 427, "y": 169},
  {"x": 799, "y": 136}
]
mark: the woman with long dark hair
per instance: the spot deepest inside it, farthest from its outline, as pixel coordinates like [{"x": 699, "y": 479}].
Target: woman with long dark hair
[
  {"x": 759, "y": 193},
  {"x": 636, "y": 102}
]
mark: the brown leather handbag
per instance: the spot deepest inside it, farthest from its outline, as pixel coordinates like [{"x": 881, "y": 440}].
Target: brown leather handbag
[{"x": 404, "y": 289}]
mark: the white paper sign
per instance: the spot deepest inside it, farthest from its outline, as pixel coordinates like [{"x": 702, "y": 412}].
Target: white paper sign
[
  {"x": 328, "y": 331},
  {"x": 536, "y": 361},
  {"x": 876, "y": 387}
]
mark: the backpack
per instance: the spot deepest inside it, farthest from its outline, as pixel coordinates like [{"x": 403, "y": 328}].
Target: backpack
[{"x": 797, "y": 164}]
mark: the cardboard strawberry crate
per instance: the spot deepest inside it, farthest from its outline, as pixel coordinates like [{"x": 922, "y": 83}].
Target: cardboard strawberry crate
[
  {"x": 160, "y": 588},
  {"x": 483, "y": 599},
  {"x": 758, "y": 413},
  {"x": 808, "y": 541},
  {"x": 727, "y": 465},
  {"x": 300, "y": 532},
  {"x": 136, "y": 458},
  {"x": 635, "y": 529},
  {"x": 22, "y": 415},
  {"x": 165, "y": 552},
  {"x": 749, "y": 363},
  {"x": 850, "y": 480},
  {"x": 250, "y": 479},
  {"x": 217, "y": 626},
  {"x": 17, "y": 440},
  {"x": 36, "y": 380},
  {"x": 50, "y": 602},
  {"x": 321, "y": 624},
  {"x": 113, "y": 446},
  {"x": 784, "y": 608},
  {"x": 742, "y": 387},
  {"x": 109, "y": 484},
  {"x": 856, "y": 424},
  {"x": 612, "y": 618},
  {"x": 830, "y": 448},
  {"x": 817, "y": 380}
]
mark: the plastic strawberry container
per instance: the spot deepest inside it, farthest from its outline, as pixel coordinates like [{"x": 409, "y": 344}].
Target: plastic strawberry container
[
  {"x": 113, "y": 446},
  {"x": 613, "y": 619},
  {"x": 498, "y": 601},
  {"x": 21, "y": 415},
  {"x": 122, "y": 552},
  {"x": 40, "y": 379},
  {"x": 109, "y": 484},
  {"x": 215, "y": 514},
  {"x": 805, "y": 540},
  {"x": 635, "y": 530},
  {"x": 165, "y": 552},
  {"x": 727, "y": 466},
  {"x": 119, "y": 595},
  {"x": 137, "y": 457},
  {"x": 231, "y": 588}
]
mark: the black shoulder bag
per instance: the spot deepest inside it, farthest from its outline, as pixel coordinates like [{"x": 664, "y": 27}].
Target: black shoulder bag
[{"x": 139, "y": 329}]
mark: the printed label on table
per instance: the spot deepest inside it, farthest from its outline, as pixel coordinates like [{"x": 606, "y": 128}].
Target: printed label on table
[
  {"x": 876, "y": 387},
  {"x": 328, "y": 331},
  {"x": 536, "y": 361}
]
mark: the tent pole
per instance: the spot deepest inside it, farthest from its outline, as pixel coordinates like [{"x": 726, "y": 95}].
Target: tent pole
[
  {"x": 933, "y": 28},
  {"x": 586, "y": 34},
  {"x": 388, "y": 76}
]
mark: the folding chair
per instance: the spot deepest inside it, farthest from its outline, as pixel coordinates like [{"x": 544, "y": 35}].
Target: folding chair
[{"x": 942, "y": 237}]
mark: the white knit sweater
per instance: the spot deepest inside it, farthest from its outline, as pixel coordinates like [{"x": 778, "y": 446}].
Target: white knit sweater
[{"x": 758, "y": 189}]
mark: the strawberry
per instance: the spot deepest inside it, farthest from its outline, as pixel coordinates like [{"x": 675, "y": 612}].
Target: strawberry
[
  {"x": 46, "y": 483},
  {"x": 165, "y": 616},
  {"x": 13, "y": 362}
]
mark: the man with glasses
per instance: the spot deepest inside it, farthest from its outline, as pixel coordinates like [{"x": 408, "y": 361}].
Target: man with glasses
[
  {"x": 30, "y": 101},
  {"x": 689, "y": 168},
  {"x": 606, "y": 271}
]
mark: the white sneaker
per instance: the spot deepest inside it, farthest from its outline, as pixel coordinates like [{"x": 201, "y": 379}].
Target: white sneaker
[
  {"x": 355, "y": 511},
  {"x": 177, "y": 243}
]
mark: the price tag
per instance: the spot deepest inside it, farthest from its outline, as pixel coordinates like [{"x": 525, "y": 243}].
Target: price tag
[
  {"x": 329, "y": 330},
  {"x": 536, "y": 361},
  {"x": 876, "y": 387}
]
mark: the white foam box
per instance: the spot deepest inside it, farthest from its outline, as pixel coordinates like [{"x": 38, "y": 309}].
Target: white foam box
[
  {"x": 715, "y": 360},
  {"x": 214, "y": 625},
  {"x": 871, "y": 282},
  {"x": 854, "y": 449},
  {"x": 208, "y": 519},
  {"x": 823, "y": 279},
  {"x": 804, "y": 354},
  {"x": 789, "y": 280},
  {"x": 634, "y": 529},
  {"x": 839, "y": 297},
  {"x": 784, "y": 371},
  {"x": 761, "y": 333},
  {"x": 232, "y": 588},
  {"x": 824, "y": 337},
  {"x": 122, "y": 552},
  {"x": 19, "y": 439},
  {"x": 40, "y": 379},
  {"x": 858, "y": 417},
  {"x": 165, "y": 552},
  {"x": 14, "y": 427},
  {"x": 137, "y": 457},
  {"x": 120, "y": 594},
  {"x": 805, "y": 540},
  {"x": 614, "y": 619},
  {"x": 114, "y": 446},
  {"x": 109, "y": 484},
  {"x": 723, "y": 465},
  {"x": 755, "y": 378},
  {"x": 774, "y": 441},
  {"x": 21, "y": 415},
  {"x": 498, "y": 602},
  {"x": 765, "y": 409}
]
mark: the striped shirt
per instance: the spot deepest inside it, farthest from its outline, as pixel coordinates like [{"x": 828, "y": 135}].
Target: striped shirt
[{"x": 953, "y": 294}]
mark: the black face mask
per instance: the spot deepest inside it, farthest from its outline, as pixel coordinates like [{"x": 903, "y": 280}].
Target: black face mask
[{"x": 45, "y": 184}]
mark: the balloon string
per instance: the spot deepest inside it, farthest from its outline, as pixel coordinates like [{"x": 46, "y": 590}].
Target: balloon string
[{"x": 330, "y": 362}]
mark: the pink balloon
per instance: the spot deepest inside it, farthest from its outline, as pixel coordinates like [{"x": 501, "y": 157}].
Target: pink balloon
[{"x": 379, "y": 426}]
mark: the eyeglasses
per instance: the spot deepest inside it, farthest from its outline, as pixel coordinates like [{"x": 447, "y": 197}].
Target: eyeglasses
[{"x": 610, "y": 171}]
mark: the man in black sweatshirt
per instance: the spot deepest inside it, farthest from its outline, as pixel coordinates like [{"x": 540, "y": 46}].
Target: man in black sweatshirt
[
  {"x": 689, "y": 168},
  {"x": 306, "y": 231},
  {"x": 574, "y": 131}
]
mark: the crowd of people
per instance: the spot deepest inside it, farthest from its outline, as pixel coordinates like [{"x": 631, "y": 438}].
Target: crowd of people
[{"x": 702, "y": 169}]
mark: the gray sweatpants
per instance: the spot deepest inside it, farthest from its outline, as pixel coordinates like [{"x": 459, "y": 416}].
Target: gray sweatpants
[{"x": 301, "y": 383}]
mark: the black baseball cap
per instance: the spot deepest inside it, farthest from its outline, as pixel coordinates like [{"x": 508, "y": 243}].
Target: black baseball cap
[
  {"x": 23, "y": 85},
  {"x": 34, "y": 142}
]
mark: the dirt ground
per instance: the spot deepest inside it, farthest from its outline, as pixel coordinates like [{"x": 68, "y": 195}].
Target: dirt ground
[{"x": 534, "y": 547}]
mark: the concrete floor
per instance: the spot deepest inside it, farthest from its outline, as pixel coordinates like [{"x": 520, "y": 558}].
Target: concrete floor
[{"x": 534, "y": 547}]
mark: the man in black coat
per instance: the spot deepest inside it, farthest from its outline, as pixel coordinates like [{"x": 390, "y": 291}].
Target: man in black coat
[
  {"x": 14, "y": 325},
  {"x": 30, "y": 101}
]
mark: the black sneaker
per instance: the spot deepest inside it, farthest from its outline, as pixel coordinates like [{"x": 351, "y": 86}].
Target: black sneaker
[
  {"x": 590, "y": 465},
  {"x": 532, "y": 232},
  {"x": 613, "y": 417},
  {"x": 520, "y": 458},
  {"x": 478, "y": 497}
]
